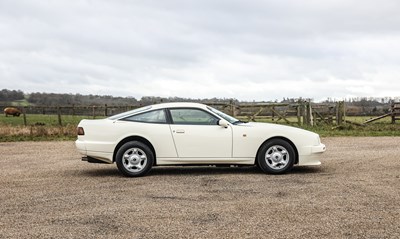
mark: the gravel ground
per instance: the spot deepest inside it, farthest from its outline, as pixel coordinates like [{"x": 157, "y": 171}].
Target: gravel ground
[{"x": 47, "y": 192}]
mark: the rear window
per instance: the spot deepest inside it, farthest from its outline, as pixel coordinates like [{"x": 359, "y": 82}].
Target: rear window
[
  {"x": 128, "y": 113},
  {"x": 155, "y": 116}
]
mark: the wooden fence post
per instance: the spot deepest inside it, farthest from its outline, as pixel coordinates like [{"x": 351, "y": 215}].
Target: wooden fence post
[
  {"x": 105, "y": 110},
  {"x": 308, "y": 113},
  {"x": 304, "y": 111},
  {"x": 393, "y": 113},
  {"x": 298, "y": 108},
  {"x": 24, "y": 115},
  {"x": 339, "y": 112},
  {"x": 59, "y": 115},
  {"x": 73, "y": 109},
  {"x": 94, "y": 111}
]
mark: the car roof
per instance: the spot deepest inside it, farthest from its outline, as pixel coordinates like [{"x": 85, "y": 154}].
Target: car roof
[
  {"x": 178, "y": 105},
  {"x": 158, "y": 106}
]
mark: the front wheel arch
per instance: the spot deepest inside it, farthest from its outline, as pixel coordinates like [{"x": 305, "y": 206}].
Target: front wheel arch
[
  {"x": 135, "y": 138},
  {"x": 296, "y": 160}
]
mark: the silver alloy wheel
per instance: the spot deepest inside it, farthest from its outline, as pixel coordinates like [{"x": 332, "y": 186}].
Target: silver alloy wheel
[
  {"x": 134, "y": 160},
  {"x": 277, "y": 157}
]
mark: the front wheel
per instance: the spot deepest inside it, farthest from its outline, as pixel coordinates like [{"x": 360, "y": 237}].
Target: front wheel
[
  {"x": 134, "y": 159},
  {"x": 276, "y": 156}
]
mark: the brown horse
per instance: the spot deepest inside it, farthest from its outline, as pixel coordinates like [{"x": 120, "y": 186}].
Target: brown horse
[{"x": 12, "y": 111}]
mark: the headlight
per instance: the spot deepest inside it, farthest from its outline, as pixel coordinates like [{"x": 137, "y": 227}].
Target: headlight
[{"x": 318, "y": 140}]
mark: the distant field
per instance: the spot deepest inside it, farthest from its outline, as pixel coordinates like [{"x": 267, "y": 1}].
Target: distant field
[{"x": 45, "y": 127}]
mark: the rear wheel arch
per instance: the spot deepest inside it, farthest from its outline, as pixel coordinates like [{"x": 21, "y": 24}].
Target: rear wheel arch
[
  {"x": 135, "y": 138},
  {"x": 282, "y": 138}
]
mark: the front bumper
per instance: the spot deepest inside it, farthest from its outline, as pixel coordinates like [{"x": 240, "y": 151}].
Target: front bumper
[{"x": 311, "y": 155}]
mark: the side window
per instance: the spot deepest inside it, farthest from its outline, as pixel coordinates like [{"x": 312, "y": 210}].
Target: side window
[
  {"x": 192, "y": 116},
  {"x": 156, "y": 116}
]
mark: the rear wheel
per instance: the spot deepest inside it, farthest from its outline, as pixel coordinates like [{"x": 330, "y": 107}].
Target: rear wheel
[
  {"x": 276, "y": 156},
  {"x": 134, "y": 159}
]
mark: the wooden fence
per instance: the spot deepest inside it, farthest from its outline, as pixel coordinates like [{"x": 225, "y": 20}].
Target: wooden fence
[{"x": 302, "y": 112}]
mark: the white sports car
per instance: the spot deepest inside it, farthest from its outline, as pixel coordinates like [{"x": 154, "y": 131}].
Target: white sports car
[{"x": 193, "y": 134}]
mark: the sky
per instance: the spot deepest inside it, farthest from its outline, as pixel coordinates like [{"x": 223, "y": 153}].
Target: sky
[{"x": 249, "y": 50}]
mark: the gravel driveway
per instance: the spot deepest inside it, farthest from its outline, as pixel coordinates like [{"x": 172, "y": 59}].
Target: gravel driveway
[{"x": 47, "y": 192}]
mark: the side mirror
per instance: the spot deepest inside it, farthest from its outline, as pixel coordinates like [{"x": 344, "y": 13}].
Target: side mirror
[{"x": 223, "y": 123}]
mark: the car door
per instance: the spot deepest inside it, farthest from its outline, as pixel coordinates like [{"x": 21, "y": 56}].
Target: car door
[{"x": 196, "y": 134}]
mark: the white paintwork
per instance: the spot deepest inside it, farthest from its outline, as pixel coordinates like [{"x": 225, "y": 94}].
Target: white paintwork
[
  {"x": 195, "y": 144},
  {"x": 202, "y": 141}
]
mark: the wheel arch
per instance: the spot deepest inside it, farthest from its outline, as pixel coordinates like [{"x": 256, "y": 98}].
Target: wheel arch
[
  {"x": 135, "y": 138},
  {"x": 282, "y": 138}
]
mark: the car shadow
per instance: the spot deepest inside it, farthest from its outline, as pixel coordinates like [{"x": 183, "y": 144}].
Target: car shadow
[
  {"x": 201, "y": 170},
  {"x": 306, "y": 170},
  {"x": 104, "y": 172},
  {"x": 196, "y": 170}
]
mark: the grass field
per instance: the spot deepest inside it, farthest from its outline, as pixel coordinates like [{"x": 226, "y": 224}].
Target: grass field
[{"x": 46, "y": 127}]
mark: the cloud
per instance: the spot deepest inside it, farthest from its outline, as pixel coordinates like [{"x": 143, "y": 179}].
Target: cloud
[{"x": 253, "y": 50}]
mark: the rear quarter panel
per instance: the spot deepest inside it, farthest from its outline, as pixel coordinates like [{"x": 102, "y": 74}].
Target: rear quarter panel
[{"x": 104, "y": 135}]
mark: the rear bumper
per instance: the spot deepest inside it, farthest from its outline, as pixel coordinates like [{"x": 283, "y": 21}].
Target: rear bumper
[
  {"x": 80, "y": 146},
  {"x": 93, "y": 156}
]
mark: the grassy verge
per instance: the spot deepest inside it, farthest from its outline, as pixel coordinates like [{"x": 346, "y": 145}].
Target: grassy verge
[
  {"x": 356, "y": 131},
  {"x": 39, "y": 128},
  {"x": 37, "y": 133}
]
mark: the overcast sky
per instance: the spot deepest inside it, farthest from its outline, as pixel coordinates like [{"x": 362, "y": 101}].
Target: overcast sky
[{"x": 248, "y": 50}]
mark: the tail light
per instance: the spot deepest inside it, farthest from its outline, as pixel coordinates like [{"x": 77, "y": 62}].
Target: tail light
[{"x": 80, "y": 131}]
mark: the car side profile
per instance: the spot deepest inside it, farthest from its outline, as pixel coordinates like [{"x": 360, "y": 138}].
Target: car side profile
[{"x": 193, "y": 134}]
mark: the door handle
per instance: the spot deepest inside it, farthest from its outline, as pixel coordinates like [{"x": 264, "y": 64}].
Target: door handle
[{"x": 180, "y": 131}]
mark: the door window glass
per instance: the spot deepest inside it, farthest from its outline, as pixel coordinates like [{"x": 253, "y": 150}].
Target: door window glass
[{"x": 192, "y": 116}]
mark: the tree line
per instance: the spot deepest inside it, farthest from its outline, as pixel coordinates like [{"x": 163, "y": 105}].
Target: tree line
[
  {"x": 11, "y": 97},
  {"x": 7, "y": 97}
]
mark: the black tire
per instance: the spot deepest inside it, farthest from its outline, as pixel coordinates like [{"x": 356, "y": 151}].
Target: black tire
[
  {"x": 134, "y": 159},
  {"x": 280, "y": 153}
]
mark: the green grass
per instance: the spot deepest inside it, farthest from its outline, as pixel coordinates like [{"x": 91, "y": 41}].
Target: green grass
[
  {"x": 23, "y": 102},
  {"x": 351, "y": 130},
  {"x": 45, "y": 127}
]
